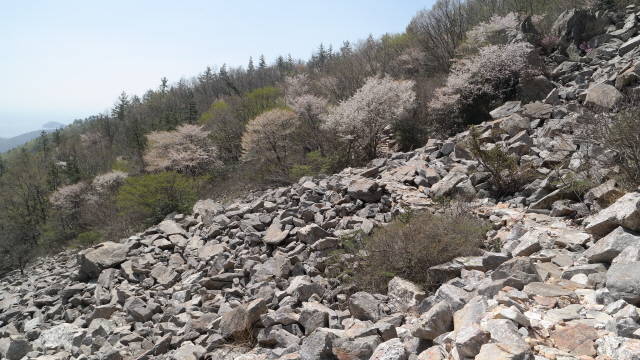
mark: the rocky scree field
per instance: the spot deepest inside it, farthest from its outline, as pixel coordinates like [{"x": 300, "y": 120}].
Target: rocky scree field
[{"x": 253, "y": 279}]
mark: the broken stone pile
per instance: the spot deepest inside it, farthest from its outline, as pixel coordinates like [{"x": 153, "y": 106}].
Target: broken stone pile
[{"x": 253, "y": 280}]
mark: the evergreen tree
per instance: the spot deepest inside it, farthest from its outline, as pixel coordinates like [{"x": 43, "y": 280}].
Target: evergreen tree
[{"x": 262, "y": 64}]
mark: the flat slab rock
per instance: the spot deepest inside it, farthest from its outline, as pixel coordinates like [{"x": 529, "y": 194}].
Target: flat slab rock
[
  {"x": 103, "y": 256},
  {"x": 623, "y": 212}
]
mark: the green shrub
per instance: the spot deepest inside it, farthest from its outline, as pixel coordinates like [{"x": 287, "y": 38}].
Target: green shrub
[
  {"x": 413, "y": 243},
  {"x": 152, "y": 197},
  {"x": 505, "y": 175},
  {"x": 89, "y": 238}
]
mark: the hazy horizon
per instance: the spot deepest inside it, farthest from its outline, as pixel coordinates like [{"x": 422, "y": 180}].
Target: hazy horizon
[{"x": 67, "y": 60}]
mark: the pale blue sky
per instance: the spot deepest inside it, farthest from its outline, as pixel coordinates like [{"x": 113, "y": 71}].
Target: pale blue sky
[{"x": 65, "y": 60}]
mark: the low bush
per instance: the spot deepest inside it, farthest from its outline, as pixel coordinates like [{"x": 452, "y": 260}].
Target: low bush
[
  {"x": 617, "y": 139},
  {"x": 505, "y": 175},
  {"x": 151, "y": 197},
  {"x": 411, "y": 244}
]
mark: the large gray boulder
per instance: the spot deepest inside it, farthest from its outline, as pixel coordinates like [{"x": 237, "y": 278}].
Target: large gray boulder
[
  {"x": 390, "y": 350},
  {"x": 573, "y": 26},
  {"x": 60, "y": 336},
  {"x": 404, "y": 294},
  {"x": 534, "y": 88},
  {"x": 434, "y": 322},
  {"x": 318, "y": 345},
  {"x": 629, "y": 45},
  {"x": 242, "y": 318},
  {"x": 622, "y": 281},
  {"x": 603, "y": 95},
  {"x": 365, "y": 190},
  {"x": 624, "y": 212},
  {"x": 18, "y": 346},
  {"x": 610, "y": 246},
  {"x": 208, "y": 209},
  {"x": 103, "y": 256},
  {"x": 363, "y": 306}
]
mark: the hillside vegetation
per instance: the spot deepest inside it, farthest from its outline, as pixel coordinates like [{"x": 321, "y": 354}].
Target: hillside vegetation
[{"x": 230, "y": 130}]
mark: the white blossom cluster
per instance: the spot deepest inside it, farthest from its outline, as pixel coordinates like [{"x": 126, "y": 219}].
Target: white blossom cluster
[
  {"x": 186, "y": 149},
  {"x": 378, "y": 103},
  {"x": 267, "y": 136},
  {"x": 496, "y": 31}
]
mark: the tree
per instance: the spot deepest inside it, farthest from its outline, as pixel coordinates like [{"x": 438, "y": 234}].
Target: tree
[
  {"x": 226, "y": 131},
  {"x": 251, "y": 68},
  {"x": 262, "y": 64},
  {"x": 440, "y": 30},
  {"x": 268, "y": 136},
  {"x": 119, "y": 109},
  {"x": 378, "y": 104},
  {"x": 186, "y": 150}
]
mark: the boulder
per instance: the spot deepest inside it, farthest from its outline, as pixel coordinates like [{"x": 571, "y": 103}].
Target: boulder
[
  {"x": 365, "y": 190},
  {"x": 622, "y": 281},
  {"x": 208, "y": 209},
  {"x": 311, "y": 233},
  {"x": 469, "y": 340},
  {"x": 103, "y": 256},
  {"x": 434, "y": 322},
  {"x": 404, "y": 294},
  {"x": 610, "y": 246},
  {"x": 242, "y": 318},
  {"x": 603, "y": 95},
  {"x": 363, "y": 306},
  {"x": 318, "y": 345},
  {"x": 624, "y": 212},
  {"x": 629, "y": 45},
  {"x": 390, "y": 350},
  {"x": 510, "y": 107},
  {"x": 275, "y": 235},
  {"x": 18, "y": 346},
  {"x": 534, "y": 88}
]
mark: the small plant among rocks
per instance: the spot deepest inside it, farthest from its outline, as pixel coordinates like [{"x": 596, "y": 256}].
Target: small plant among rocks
[
  {"x": 411, "y": 244},
  {"x": 505, "y": 175}
]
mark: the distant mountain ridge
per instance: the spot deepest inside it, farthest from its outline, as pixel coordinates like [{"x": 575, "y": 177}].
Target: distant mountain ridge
[{"x": 7, "y": 144}]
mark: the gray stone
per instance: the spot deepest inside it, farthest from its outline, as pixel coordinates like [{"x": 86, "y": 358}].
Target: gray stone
[
  {"x": 311, "y": 233},
  {"x": 622, "y": 281},
  {"x": 610, "y": 246},
  {"x": 365, "y": 190},
  {"x": 404, "y": 294},
  {"x": 434, "y": 322},
  {"x": 390, "y": 350},
  {"x": 318, "y": 345},
  {"x": 58, "y": 336},
  {"x": 103, "y": 256},
  {"x": 469, "y": 340},
  {"x": 510, "y": 107},
  {"x": 361, "y": 348},
  {"x": 534, "y": 88},
  {"x": 603, "y": 95},
  {"x": 17, "y": 348},
  {"x": 629, "y": 45},
  {"x": 624, "y": 212},
  {"x": 363, "y": 306}
]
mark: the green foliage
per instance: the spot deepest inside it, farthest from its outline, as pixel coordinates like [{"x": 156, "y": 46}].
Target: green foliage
[
  {"x": 89, "y": 238},
  {"x": 152, "y": 197},
  {"x": 506, "y": 176},
  {"x": 214, "y": 111},
  {"x": 258, "y": 102},
  {"x": 313, "y": 165},
  {"x": 413, "y": 243}
]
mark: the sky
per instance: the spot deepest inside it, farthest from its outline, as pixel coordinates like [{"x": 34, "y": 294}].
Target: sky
[{"x": 66, "y": 60}]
